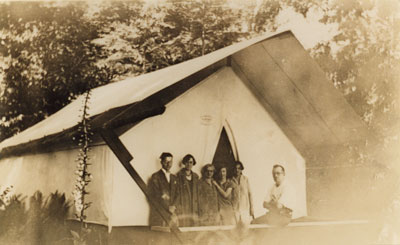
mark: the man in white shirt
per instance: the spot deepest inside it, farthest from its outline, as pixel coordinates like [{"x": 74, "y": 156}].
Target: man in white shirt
[{"x": 280, "y": 200}]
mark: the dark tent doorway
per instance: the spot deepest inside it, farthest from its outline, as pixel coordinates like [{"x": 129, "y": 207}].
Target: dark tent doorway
[{"x": 224, "y": 154}]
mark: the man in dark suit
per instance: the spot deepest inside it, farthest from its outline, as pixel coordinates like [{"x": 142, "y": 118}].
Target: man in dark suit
[{"x": 163, "y": 187}]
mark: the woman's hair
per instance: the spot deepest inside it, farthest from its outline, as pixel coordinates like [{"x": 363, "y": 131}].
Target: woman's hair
[
  {"x": 187, "y": 158},
  {"x": 219, "y": 171},
  {"x": 165, "y": 155},
  {"x": 239, "y": 163},
  {"x": 204, "y": 170}
]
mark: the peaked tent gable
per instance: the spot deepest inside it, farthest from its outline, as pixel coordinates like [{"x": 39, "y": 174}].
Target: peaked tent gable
[{"x": 192, "y": 123}]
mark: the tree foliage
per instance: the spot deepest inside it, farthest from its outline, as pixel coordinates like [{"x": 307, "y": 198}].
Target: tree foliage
[
  {"x": 151, "y": 37},
  {"x": 50, "y": 59},
  {"x": 363, "y": 60},
  {"x": 53, "y": 52},
  {"x": 202, "y": 26},
  {"x": 364, "y": 67}
]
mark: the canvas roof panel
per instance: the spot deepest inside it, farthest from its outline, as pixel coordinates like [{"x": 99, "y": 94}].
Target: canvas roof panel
[
  {"x": 122, "y": 93},
  {"x": 309, "y": 80},
  {"x": 286, "y": 101}
]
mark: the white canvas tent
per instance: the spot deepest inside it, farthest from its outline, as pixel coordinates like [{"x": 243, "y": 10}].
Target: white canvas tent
[{"x": 273, "y": 101}]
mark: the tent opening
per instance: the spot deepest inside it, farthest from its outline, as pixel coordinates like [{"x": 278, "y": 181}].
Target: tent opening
[{"x": 224, "y": 154}]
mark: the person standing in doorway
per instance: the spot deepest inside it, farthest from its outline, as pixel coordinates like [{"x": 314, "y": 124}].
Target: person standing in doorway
[
  {"x": 225, "y": 197},
  {"x": 243, "y": 201}
]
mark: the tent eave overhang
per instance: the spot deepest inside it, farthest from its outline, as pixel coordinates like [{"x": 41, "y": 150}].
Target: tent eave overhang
[{"x": 119, "y": 119}]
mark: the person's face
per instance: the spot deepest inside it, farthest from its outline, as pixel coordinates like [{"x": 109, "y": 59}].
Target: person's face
[
  {"x": 238, "y": 170},
  {"x": 209, "y": 172},
  {"x": 166, "y": 163},
  {"x": 222, "y": 173},
  {"x": 278, "y": 175},
  {"x": 189, "y": 164}
]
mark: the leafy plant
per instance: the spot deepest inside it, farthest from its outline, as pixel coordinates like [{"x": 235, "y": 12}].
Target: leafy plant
[
  {"x": 12, "y": 218},
  {"x": 4, "y": 196},
  {"x": 47, "y": 58},
  {"x": 82, "y": 237},
  {"x": 42, "y": 223}
]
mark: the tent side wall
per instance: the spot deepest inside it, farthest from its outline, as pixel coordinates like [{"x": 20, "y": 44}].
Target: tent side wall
[
  {"x": 192, "y": 124},
  {"x": 55, "y": 171}
]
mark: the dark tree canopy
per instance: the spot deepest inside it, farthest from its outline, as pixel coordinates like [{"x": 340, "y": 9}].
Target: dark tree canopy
[{"x": 50, "y": 60}]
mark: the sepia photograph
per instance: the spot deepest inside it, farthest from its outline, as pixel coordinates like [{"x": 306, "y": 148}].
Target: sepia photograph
[{"x": 200, "y": 122}]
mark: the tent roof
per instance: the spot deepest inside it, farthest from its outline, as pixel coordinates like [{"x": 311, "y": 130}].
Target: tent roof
[
  {"x": 291, "y": 86},
  {"x": 122, "y": 93},
  {"x": 270, "y": 64}
]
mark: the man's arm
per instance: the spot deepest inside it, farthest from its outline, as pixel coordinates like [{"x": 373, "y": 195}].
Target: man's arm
[
  {"x": 152, "y": 187},
  {"x": 268, "y": 205},
  {"x": 271, "y": 203},
  {"x": 156, "y": 190},
  {"x": 175, "y": 203},
  {"x": 288, "y": 198}
]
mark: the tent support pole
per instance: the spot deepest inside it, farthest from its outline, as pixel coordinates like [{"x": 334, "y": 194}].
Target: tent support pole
[{"x": 123, "y": 155}]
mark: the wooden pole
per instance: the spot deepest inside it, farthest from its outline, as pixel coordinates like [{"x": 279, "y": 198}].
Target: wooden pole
[{"x": 123, "y": 155}]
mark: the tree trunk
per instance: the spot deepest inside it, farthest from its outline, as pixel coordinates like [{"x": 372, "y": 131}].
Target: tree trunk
[{"x": 202, "y": 42}]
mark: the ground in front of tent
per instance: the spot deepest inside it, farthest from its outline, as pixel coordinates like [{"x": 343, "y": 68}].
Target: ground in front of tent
[{"x": 309, "y": 232}]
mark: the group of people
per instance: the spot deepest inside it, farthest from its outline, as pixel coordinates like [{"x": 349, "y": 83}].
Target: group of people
[{"x": 213, "y": 199}]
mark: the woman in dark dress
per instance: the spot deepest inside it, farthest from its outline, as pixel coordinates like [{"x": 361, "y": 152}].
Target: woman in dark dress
[
  {"x": 225, "y": 189},
  {"x": 188, "y": 200}
]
